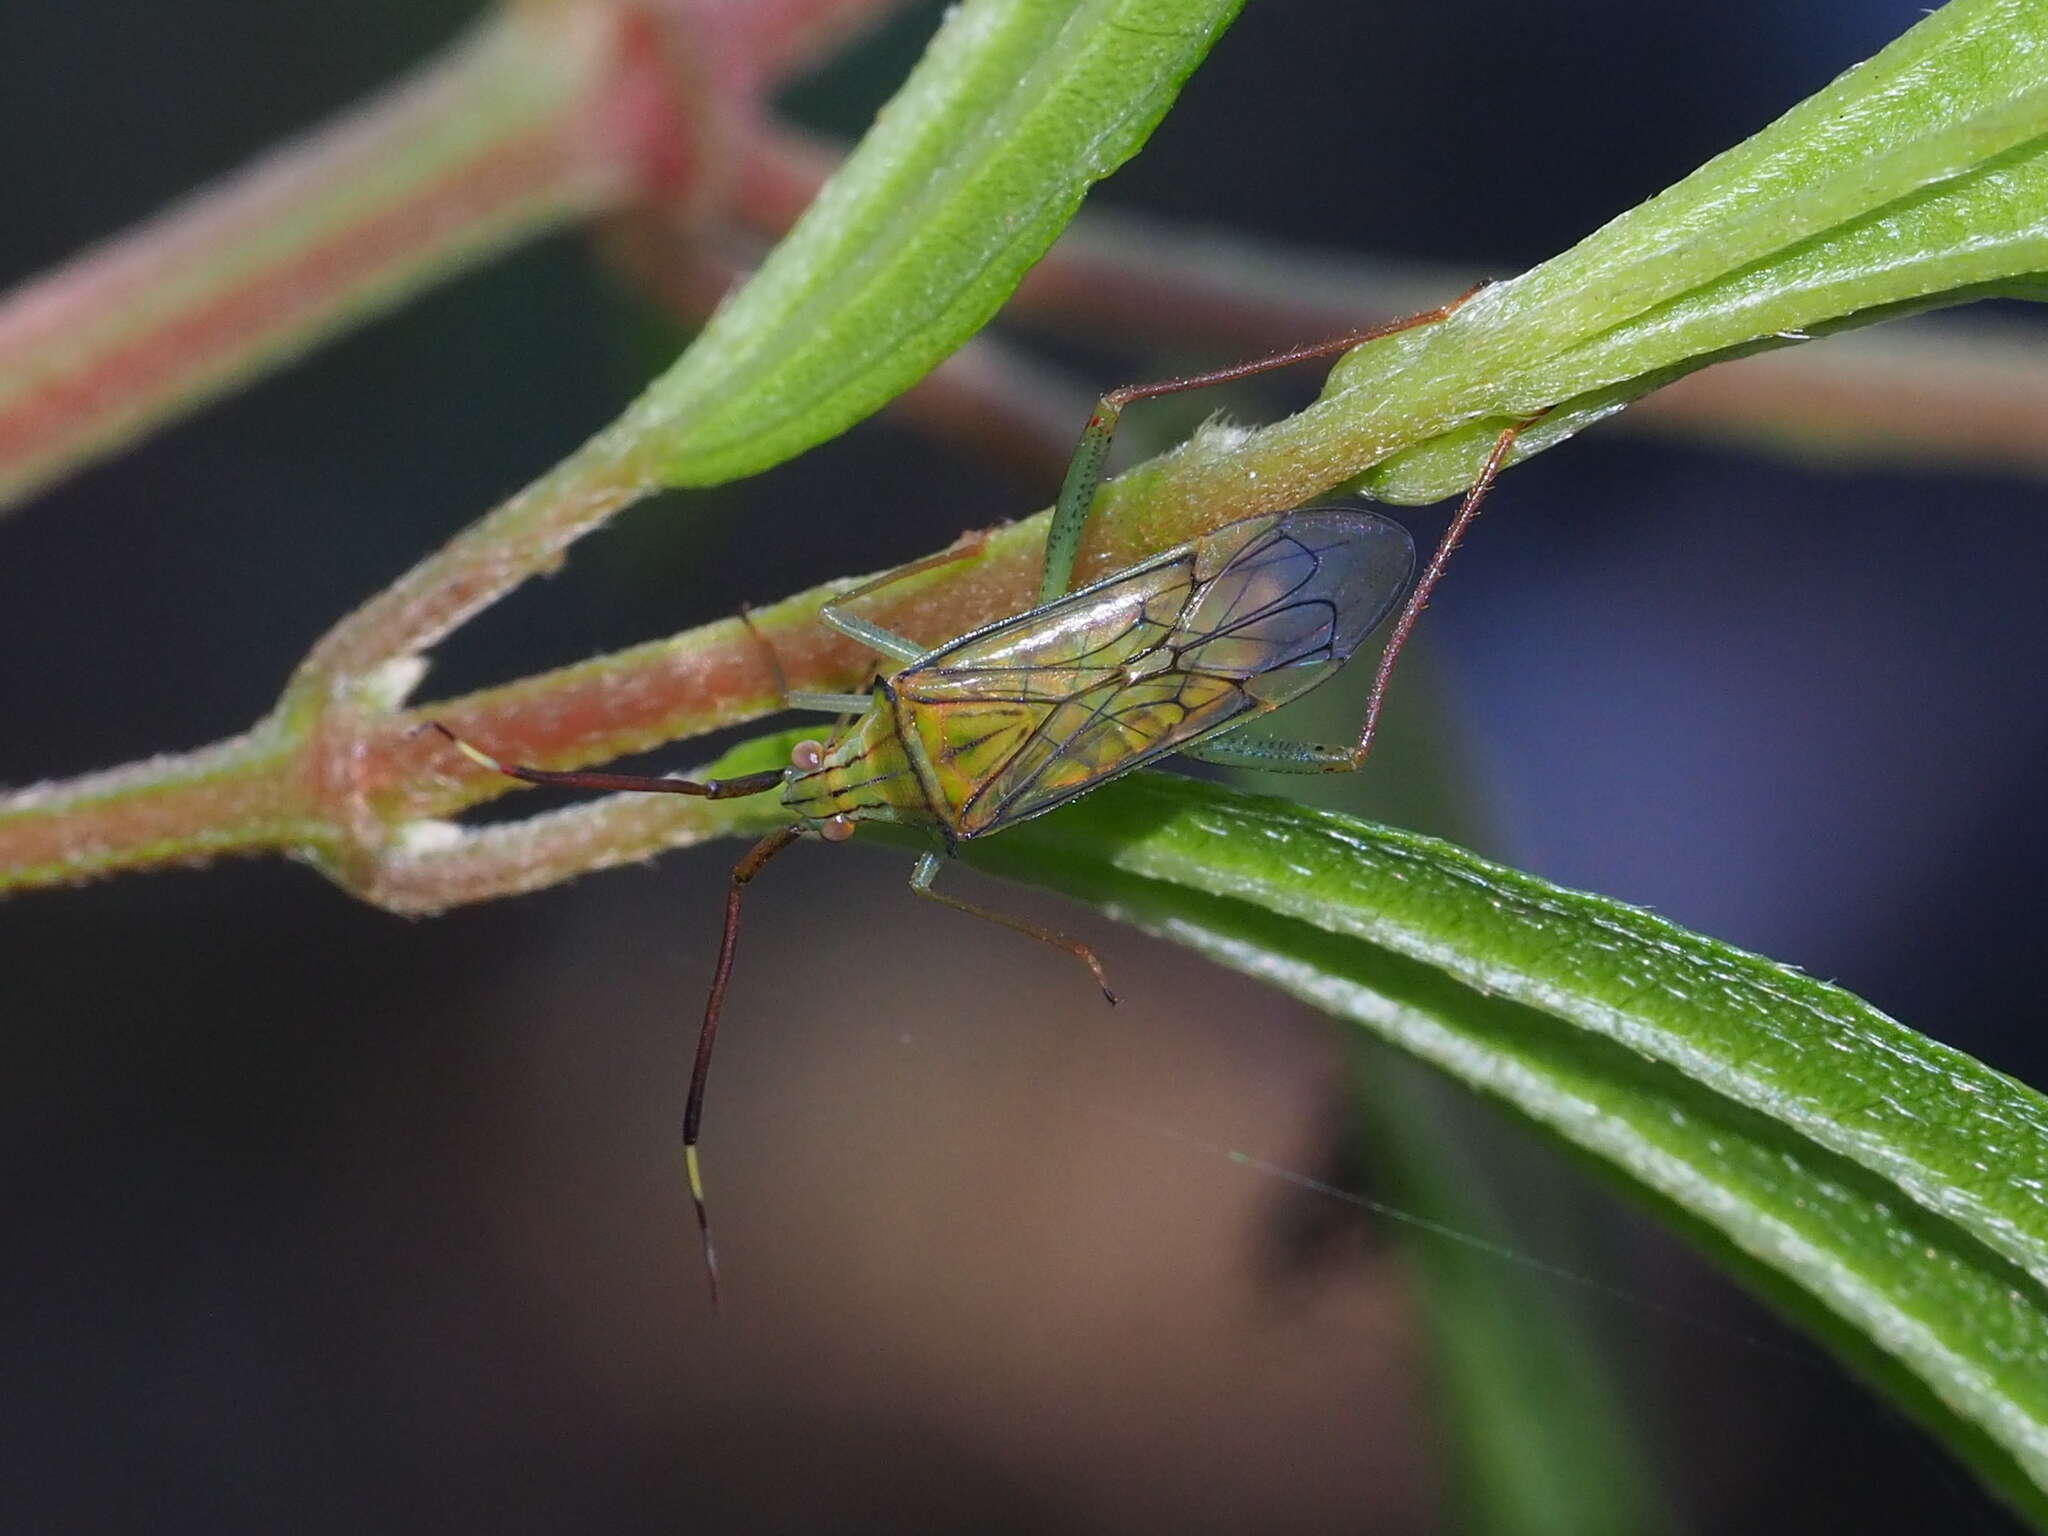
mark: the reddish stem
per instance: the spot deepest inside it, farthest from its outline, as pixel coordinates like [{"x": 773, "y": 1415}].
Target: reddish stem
[
  {"x": 781, "y": 38},
  {"x": 465, "y": 157},
  {"x": 543, "y": 115}
]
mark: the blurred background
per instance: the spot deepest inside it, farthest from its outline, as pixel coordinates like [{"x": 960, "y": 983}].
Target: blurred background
[{"x": 322, "y": 1219}]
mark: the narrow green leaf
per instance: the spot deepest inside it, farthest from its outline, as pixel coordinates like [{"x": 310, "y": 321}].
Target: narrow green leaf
[
  {"x": 967, "y": 176},
  {"x": 1966, "y": 84},
  {"x": 1915, "y": 179},
  {"x": 1896, "y": 1185}
]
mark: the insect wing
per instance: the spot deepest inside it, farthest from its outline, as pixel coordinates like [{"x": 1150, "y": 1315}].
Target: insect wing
[
  {"x": 1037, "y": 708},
  {"x": 1294, "y": 603},
  {"x": 1019, "y": 717},
  {"x": 1086, "y": 637}
]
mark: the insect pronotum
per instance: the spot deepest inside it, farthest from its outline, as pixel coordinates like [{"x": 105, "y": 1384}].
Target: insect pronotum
[{"x": 1174, "y": 654}]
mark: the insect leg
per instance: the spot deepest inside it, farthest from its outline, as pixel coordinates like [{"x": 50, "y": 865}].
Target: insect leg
[
  {"x": 873, "y": 636},
  {"x": 693, "y": 1107},
  {"x": 927, "y": 871},
  {"x": 709, "y": 789},
  {"x": 847, "y": 706},
  {"x": 829, "y": 703},
  {"x": 1084, "y": 470},
  {"x": 1418, "y": 599},
  {"x": 1276, "y": 755},
  {"x": 768, "y": 650},
  {"x": 1272, "y": 754}
]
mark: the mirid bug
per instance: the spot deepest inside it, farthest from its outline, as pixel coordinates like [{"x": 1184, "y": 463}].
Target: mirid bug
[{"x": 1175, "y": 654}]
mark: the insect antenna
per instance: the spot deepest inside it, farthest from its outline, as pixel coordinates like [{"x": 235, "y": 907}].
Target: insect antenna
[
  {"x": 742, "y": 872},
  {"x": 632, "y": 783},
  {"x": 693, "y": 1108}
]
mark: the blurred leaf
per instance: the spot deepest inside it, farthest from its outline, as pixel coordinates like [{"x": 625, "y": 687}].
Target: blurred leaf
[{"x": 1538, "y": 1441}]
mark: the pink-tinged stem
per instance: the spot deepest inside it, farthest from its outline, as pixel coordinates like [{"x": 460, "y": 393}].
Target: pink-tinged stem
[
  {"x": 549, "y": 112},
  {"x": 1963, "y": 394},
  {"x": 341, "y": 779},
  {"x": 523, "y": 125},
  {"x": 781, "y": 38},
  {"x": 344, "y": 778},
  {"x": 235, "y": 797},
  {"x": 522, "y": 537},
  {"x": 458, "y": 866}
]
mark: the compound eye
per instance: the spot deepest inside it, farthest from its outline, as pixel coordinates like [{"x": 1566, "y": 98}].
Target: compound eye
[
  {"x": 806, "y": 755},
  {"x": 836, "y": 829}
]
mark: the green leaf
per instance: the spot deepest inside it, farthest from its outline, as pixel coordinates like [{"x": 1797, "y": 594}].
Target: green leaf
[
  {"x": 1889, "y": 1191},
  {"x": 1940, "y": 105},
  {"x": 1918, "y": 178},
  {"x": 966, "y": 177}
]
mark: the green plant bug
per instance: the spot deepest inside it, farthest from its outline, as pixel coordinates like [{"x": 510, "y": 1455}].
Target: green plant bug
[{"x": 1177, "y": 653}]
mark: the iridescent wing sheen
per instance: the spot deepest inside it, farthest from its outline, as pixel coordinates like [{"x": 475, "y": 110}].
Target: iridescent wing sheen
[
  {"x": 1292, "y": 606},
  {"x": 1018, "y": 717}
]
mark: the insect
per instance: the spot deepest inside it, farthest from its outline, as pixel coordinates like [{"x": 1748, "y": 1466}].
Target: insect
[{"x": 1174, "y": 654}]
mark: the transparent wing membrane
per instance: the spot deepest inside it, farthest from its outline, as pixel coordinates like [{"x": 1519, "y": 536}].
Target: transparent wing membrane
[
  {"x": 1016, "y": 718},
  {"x": 1307, "y": 591}
]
